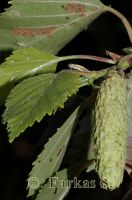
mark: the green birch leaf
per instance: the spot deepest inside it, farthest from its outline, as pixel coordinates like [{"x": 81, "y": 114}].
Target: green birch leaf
[
  {"x": 52, "y": 189},
  {"x": 7, "y": 40},
  {"x": 128, "y": 50},
  {"x": 59, "y": 185},
  {"x": 81, "y": 148},
  {"x": 50, "y": 158},
  {"x": 37, "y": 96},
  {"x": 47, "y": 25},
  {"x": 24, "y": 63}
]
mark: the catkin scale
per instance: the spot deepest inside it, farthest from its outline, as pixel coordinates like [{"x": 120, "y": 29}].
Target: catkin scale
[{"x": 110, "y": 129}]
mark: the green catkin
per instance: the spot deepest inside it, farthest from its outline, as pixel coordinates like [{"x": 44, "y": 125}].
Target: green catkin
[{"x": 110, "y": 130}]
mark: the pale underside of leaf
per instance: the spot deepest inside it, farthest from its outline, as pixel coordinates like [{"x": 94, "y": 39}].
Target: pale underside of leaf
[
  {"x": 47, "y": 25},
  {"x": 37, "y": 96},
  {"x": 24, "y": 63},
  {"x": 50, "y": 158}
]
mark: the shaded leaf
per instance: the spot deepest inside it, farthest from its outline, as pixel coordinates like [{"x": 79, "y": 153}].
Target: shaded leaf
[
  {"x": 129, "y": 105},
  {"x": 50, "y": 158},
  {"x": 37, "y": 96},
  {"x": 128, "y": 166},
  {"x": 128, "y": 50},
  {"x": 80, "y": 149},
  {"x": 52, "y": 189},
  {"x": 129, "y": 143},
  {"x": 24, "y": 63},
  {"x": 59, "y": 185},
  {"x": 129, "y": 155},
  {"x": 47, "y": 25}
]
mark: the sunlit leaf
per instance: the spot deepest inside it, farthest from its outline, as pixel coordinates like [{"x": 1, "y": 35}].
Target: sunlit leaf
[
  {"x": 46, "y": 24},
  {"x": 24, "y": 63},
  {"x": 37, "y": 96}
]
